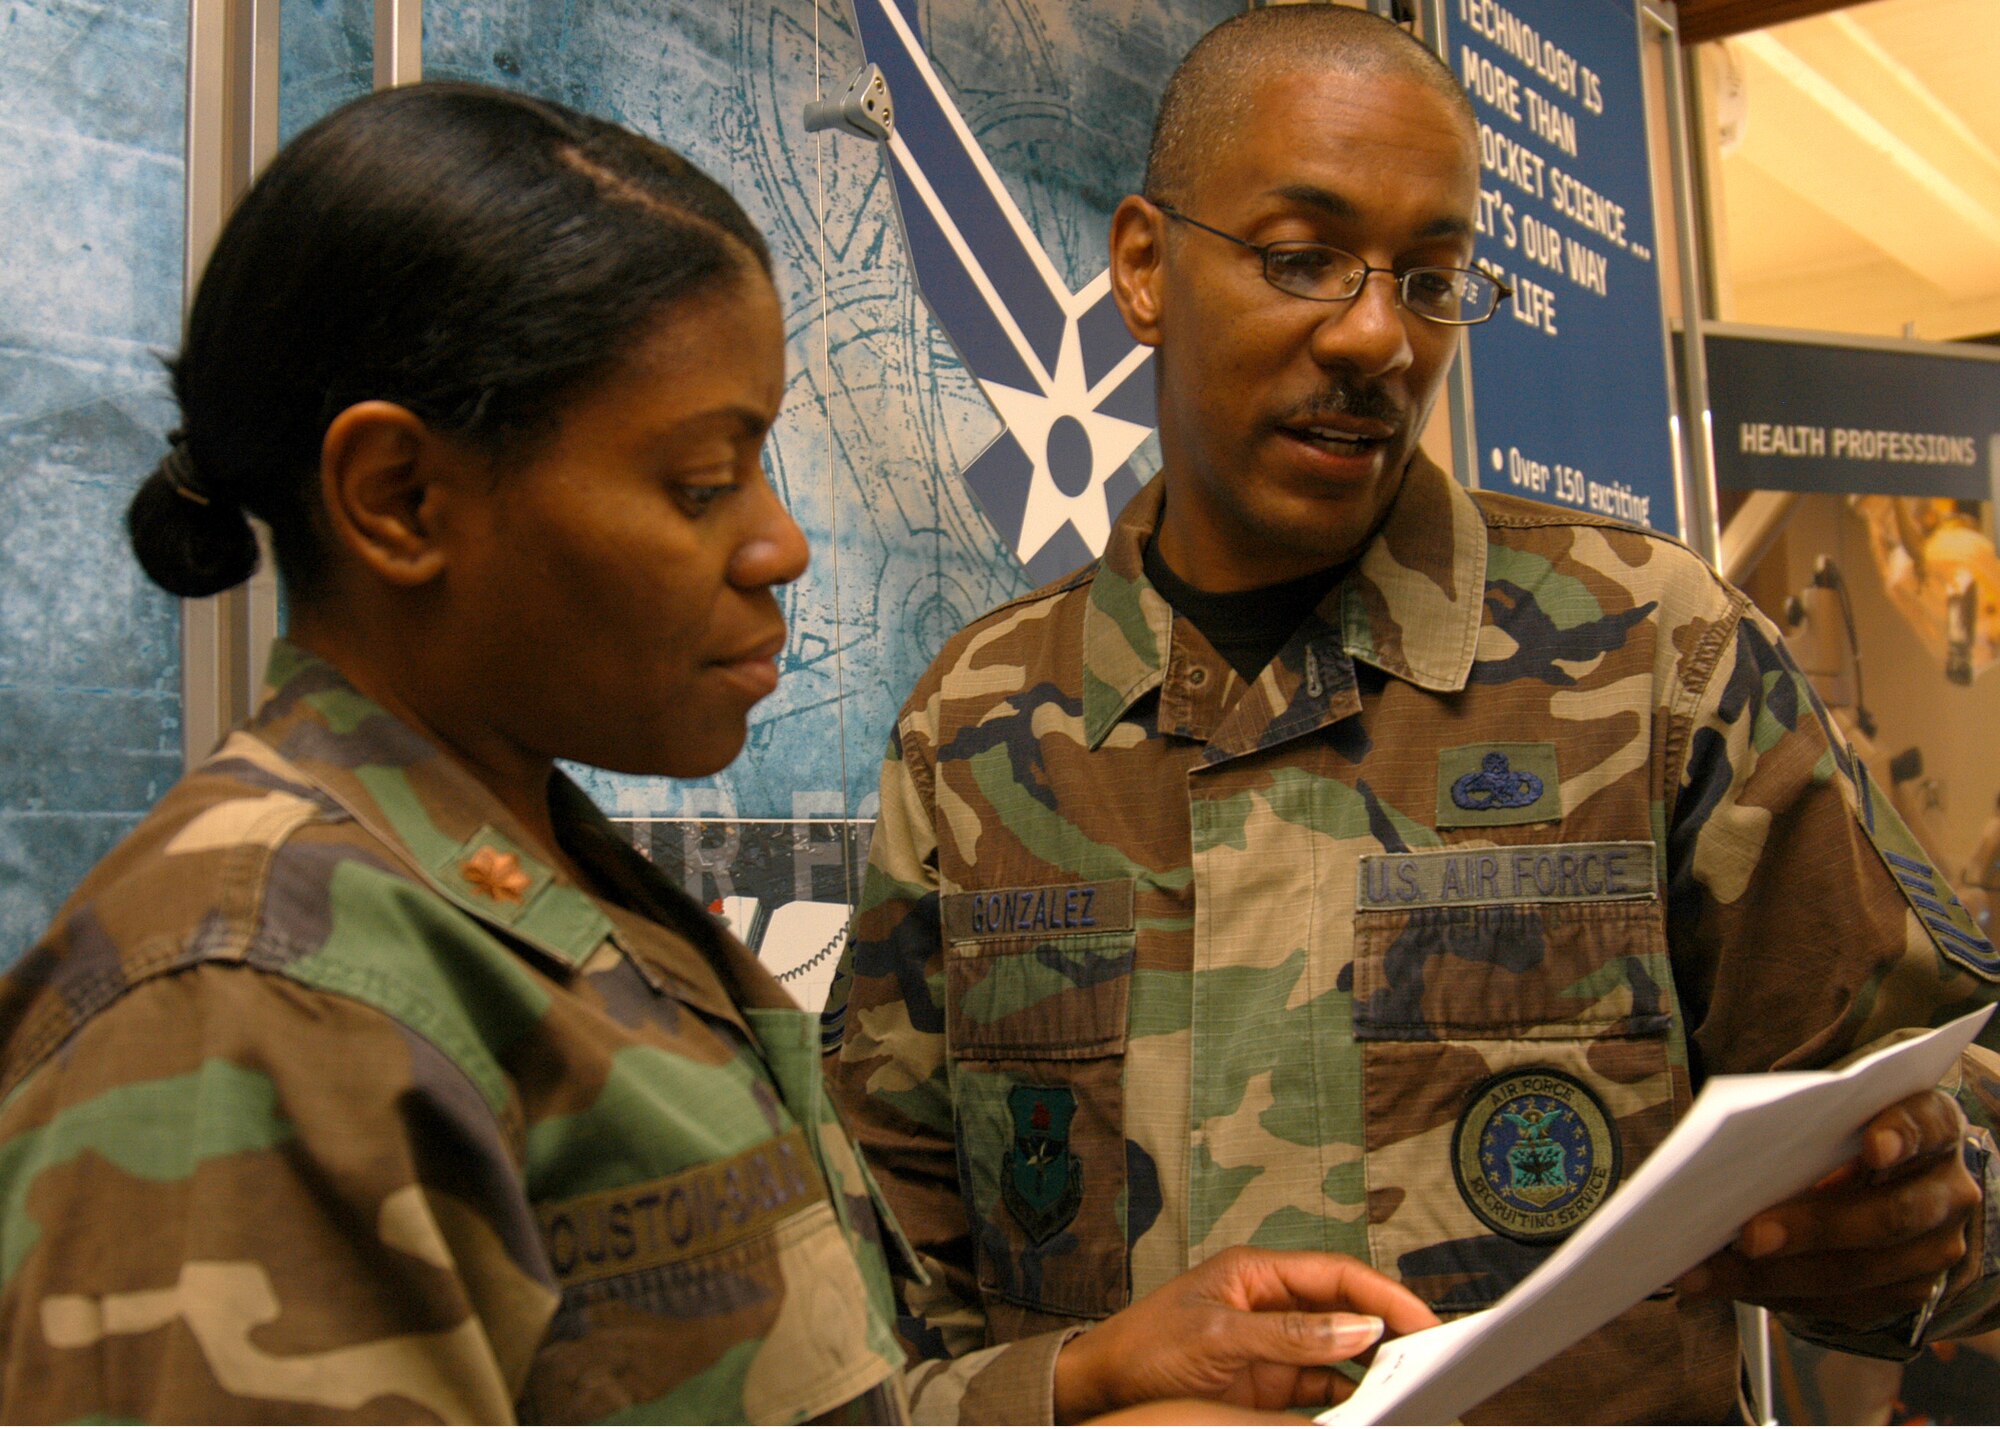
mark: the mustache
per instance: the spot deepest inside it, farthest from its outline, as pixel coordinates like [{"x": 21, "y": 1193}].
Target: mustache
[{"x": 1347, "y": 399}]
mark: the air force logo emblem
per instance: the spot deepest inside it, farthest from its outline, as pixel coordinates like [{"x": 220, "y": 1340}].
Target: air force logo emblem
[
  {"x": 1074, "y": 389},
  {"x": 1534, "y": 1153}
]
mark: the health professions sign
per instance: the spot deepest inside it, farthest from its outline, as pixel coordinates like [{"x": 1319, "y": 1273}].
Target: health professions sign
[
  {"x": 1813, "y": 416},
  {"x": 1570, "y": 379}
]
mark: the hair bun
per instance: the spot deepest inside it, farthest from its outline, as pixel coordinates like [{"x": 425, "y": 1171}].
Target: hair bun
[{"x": 189, "y": 541}]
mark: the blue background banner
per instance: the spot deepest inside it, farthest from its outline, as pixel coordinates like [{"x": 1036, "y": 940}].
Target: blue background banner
[
  {"x": 881, "y": 413},
  {"x": 1072, "y": 386},
  {"x": 1815, "y": 416},
  {"x": 1570, "y": 400},
  {"x": 92, "y": 110}
]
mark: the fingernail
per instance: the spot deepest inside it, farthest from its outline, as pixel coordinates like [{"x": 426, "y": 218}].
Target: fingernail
[
  {"x": 1886, "y": 1147},
  {"x": 1354, "y": 1333},
  {"x": 1761, "y": 1238}
]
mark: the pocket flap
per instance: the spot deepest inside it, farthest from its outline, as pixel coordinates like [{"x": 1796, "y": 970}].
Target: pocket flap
[
  {"x": 1524, "y": 971},
  {"x": 1060, "y": 998}
]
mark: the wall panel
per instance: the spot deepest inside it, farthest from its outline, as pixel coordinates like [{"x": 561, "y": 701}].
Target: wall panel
[
  {"x": 91, "y": 116},
  {"x": 326, "y": 56}
]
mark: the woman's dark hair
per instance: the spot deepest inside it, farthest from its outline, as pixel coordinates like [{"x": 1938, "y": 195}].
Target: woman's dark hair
[{"x": 475, "y": 256}]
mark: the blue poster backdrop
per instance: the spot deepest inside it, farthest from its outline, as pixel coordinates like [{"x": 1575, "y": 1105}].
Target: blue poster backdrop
[
  {"x": 1570, "y": 379},
  {"x": 1072, "y": 387}
]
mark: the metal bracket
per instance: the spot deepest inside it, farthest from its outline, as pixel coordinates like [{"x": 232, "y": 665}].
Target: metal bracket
[{"x": 864, "y": 111}]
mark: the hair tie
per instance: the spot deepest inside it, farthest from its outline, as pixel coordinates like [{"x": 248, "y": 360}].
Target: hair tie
[{"x": 178, "y": 468}]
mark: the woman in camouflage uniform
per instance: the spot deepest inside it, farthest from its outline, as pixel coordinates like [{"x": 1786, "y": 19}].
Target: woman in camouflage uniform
[{"x": 375, "y": 1075}]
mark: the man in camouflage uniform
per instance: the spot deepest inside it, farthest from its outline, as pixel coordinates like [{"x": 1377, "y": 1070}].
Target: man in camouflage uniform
[
  {"x": 1411, "y": 934},
  {"x": 409, "y": 1126}
]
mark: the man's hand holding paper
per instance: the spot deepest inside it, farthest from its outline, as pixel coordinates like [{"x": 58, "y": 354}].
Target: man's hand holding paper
[
  {"x": 1867, "y": 1245},
  {"x": 1878, "y": 1223}
]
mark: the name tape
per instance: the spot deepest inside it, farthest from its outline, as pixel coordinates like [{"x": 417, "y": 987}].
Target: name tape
[
  {"x": 1051, "y": 908},
  {"x": 1528, "y": 873},
  {"x": 692, "y": 1213}
]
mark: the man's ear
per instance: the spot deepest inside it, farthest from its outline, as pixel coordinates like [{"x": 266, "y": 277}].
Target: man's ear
[
  {"x": 380, "y": 468},
  {"x": 1138, "y": 251}
]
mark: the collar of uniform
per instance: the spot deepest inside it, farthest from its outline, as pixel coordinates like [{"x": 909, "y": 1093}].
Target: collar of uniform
[
  {"x": 1412, "y": 609},
  {"x": 1127, "y": 625},
  {"x": 450, "y": 829},
  {"x": 1414, "y": 604}
]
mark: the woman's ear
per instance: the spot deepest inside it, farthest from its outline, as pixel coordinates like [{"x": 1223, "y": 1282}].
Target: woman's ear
[
  {"x": 1138, "y": 246},
  {"x": 380, "y": 471}
]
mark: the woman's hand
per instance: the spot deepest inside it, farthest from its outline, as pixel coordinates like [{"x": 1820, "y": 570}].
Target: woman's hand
[{"x": 1260, "y": 1329}]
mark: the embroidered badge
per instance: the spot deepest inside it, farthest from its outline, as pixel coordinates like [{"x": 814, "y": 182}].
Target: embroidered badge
[
  {"x": 1534, "y": 1153},
  {"x": 1508, "y": 783},
  {"x": 492, "y": 877},
  {"x": 1496, "y": 786},
  {"x": 497, "y": 875},
  {"x": 1948, "y": 921},
  {"x": 1951, "y": 926},
  {"x": 1041, "y": 1180}
]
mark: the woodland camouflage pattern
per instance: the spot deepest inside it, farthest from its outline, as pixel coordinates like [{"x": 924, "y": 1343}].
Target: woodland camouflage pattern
[
  {"x": 327, "y": 1098},
  {"x": 1206, "y": 927}
]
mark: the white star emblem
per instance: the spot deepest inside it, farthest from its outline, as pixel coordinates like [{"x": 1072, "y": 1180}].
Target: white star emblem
[{"x": 1105, "y": 444}]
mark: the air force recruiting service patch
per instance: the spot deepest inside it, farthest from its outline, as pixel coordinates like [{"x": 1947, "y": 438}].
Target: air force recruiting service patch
[{"x": 1534, "y": 1153}]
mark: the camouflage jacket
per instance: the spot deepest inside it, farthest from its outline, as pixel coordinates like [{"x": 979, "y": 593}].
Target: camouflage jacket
[
  {"x": 327, "y": 1097},
  {"x": 1409, "y": 948}
]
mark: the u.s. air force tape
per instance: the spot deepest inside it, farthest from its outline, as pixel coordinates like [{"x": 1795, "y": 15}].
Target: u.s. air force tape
[
  {"x": 1041, "y": 911},
  {"x": 1522, "y": 873}
]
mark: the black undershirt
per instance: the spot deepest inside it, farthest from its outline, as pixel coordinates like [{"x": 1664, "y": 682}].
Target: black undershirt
[{"x": 1246, "y": 627}]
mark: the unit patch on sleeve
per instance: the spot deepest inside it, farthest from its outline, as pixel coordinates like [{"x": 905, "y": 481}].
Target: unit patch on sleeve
[
  {"x": 1481, "y": 785},
  {"x": 1534, "y": 1153}
]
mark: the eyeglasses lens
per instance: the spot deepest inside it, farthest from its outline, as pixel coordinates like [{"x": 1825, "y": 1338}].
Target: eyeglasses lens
[
  {"x": 1314, "y": 270},
  {"x": 1449, "y": 295}
]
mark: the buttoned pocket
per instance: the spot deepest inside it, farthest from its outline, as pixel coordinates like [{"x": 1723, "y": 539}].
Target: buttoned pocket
[
  {"x": 1519, "y": 1053},
  {"x": 728, "y": 1292},
  {"x": 1036, "y": 1029}
]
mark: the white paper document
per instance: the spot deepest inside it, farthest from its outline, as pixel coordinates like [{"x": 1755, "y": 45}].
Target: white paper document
[{"x": 1747, "y": 1143}]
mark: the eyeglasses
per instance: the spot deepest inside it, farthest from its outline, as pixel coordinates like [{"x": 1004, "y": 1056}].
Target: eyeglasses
[{"x": 1457, "y": 297}]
